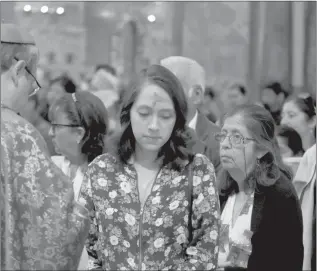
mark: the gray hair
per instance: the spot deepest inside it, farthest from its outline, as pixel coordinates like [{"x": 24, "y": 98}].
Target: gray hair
[{"x": 188, "y": 71}]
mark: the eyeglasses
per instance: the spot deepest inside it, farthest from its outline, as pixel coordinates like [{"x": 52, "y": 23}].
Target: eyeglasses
[
  {"x": 29, "y": 72},
  {"x": 235, "y": 139}
]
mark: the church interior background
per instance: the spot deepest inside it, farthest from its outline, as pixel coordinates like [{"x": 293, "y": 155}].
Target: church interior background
[{"x": 247, "y": 42}]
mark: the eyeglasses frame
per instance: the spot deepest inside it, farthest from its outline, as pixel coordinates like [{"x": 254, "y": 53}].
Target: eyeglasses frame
[{"x": 243, "y": 142}]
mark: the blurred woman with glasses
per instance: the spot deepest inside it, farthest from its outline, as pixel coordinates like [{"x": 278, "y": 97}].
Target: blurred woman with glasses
[
  {"x": 79, "y": 124},
  {"x": 261, "y": 217},
  {"x": 299, "y": 113}
]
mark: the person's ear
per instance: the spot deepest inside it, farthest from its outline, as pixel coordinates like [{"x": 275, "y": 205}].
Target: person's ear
[
  {"x": 17, "y": 70},
  {"x": 197, "y": 94},
  {"x": 80, "y": 134}
]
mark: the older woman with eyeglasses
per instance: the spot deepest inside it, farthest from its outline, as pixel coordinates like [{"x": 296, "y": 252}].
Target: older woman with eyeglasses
[
  {"x": 261, "y": 221},
  {"x": 79, "y": 125}
]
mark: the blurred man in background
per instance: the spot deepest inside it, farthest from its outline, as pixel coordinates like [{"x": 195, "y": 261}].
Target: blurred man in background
[
  {"x": 105, "y": 85},
  {"x": 192, "y": 77},
  {"x": 273, "y": 98}
]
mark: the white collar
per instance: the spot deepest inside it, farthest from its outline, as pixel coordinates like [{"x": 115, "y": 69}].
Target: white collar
[{"x": 192, "y": 124}]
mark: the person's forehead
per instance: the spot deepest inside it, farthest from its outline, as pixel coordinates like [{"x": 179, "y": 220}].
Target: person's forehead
[
  {"x": 153, "y": 95},
  {"x": 235, "y": 124}
]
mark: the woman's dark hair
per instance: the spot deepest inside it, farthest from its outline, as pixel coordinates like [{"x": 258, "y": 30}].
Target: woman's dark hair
[
  {"x": 305, "y": 103},
  {"x": 240, "y": 88},
  {"x": 88, "y": 111},
  {"x": 277, "y": 88},
  {"x": 293, "y": 139},
  {"x": 174, "y": 151},
  {"x": 67, "y": 83},
  {"x": 260, "y": 124}
]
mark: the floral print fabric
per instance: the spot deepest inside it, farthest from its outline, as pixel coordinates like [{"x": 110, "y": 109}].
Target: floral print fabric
[
  {"x": 41, "y": 227},
  {"x": 126, "y": 237}
]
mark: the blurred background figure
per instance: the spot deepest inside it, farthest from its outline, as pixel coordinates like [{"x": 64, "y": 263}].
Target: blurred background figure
[
  {"x": 210, "y": 107},
  {"x": 299, "y": 113},
  {"x": 192, "y": 77},
  {"x": 79, "y": 124},
  {"x": 291, "y": 146},
  {"x": 105, "y": 85},
  {"x": 305, "y": 185},
  {"x": 273, "y": 97},
  {"x": 63, "y": 82},
  {"x": 104, "y": 78},
  {"x": 290, "y": 142},
  {"x": 234, "y": 96},
  {"x": 84, "y": 82}
]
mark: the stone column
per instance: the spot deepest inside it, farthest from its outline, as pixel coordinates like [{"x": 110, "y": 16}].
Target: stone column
[
  {"x": 298, "y": 45},
  {"x": 310, "y": 49},
  {"x": 257, "y": 48},
  {"x": 130, "y": 42},
  {"x": 178, "y": 27},
  {"x": 98, "y": 35}
]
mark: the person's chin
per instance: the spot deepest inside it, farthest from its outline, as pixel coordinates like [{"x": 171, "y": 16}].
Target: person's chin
[
  {"x": 151, "y": 147},
  {"x": 227, "y": 162},
  {"x": 57, "y": 150}
]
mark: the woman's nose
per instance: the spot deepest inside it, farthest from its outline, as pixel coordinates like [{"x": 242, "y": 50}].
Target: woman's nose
[
  {"x": 225, "y": 143},
  {"x": 284, "y": 121},
  {"x": 153, "y": 125}
]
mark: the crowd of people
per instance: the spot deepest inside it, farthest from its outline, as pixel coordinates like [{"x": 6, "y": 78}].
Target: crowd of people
[{"x": 153, "y": 175}]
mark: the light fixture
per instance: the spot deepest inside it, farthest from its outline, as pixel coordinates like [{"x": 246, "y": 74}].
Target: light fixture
[
  {"x": 60, "y": 10},
  {"x": 44, "y": 9},
  {"x": 151, "y": 18},
  {"x": 27, "y": 8}
]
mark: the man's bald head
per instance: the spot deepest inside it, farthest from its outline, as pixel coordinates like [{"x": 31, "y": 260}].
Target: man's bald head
[
  {"x": 188, "y": 71},
  {"x": 16, "y": 42}
]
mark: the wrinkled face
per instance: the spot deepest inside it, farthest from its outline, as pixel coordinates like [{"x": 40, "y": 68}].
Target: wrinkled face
[
  {"x": 285, "y": 150},
  {"x": 152, "y": 118},
  {"x": 235, "y": 97},
  {"x": 293, "y": 117},
  {"x": 235, "y": 155},
  {"x": 65, "y": 139}
]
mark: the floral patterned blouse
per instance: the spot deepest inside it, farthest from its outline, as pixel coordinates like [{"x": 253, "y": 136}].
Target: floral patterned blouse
[
  {"x": 41, "y": 227},
  {"x": 125, "y": 236}
]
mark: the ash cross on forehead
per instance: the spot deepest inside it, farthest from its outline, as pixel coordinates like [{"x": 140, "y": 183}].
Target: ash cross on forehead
[{"x": 157, "y": 99}]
